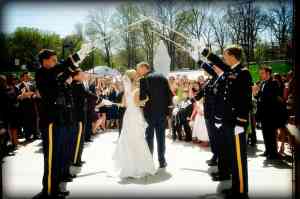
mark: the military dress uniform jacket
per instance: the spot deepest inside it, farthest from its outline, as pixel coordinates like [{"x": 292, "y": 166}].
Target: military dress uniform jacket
[
  {"x": 81, "y": 98},
  {"x": 209, "y": 97},
  {"x": 234, "y": 96},
  {"x": 51, "y": 86}
]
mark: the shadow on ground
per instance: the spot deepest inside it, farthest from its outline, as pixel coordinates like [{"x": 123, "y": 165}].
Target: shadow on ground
[{"x": 161, "y": 176}]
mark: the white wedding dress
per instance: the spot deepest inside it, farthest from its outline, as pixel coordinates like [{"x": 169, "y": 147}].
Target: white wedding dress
[{"x": 132, "y": 156}]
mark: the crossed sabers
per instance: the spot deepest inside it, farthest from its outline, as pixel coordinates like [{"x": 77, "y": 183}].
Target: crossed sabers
[{"x": 194, "y": 43}]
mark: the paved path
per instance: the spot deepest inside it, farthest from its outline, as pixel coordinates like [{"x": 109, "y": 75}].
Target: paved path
[{"x": 185, "y": 177}]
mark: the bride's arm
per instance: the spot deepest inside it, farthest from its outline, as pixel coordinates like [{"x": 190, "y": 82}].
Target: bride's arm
[{"x": 137, "y": 100}]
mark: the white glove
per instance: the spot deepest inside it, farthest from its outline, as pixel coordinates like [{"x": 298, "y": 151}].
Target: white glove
[
  {"x": 175, "y": 111},
  {"x": 218, "y": 125},
  {"x": 106, "y": 102},
  {"x": 238, "y": 130},
  {"x": 85, "y": 49}
]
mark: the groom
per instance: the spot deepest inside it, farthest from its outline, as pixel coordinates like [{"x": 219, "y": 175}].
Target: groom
[{"x": 156, "y": 87}]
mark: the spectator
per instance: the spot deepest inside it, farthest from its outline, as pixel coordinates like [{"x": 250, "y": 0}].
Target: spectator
[
  {"x": 268, "y": 107},
  {"x": 28, "y": 107},
  {"x": 4, "y": 107},
  {"x": 13, "y": 114}
]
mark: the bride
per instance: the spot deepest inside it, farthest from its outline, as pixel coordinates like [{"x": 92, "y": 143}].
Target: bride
[{"x": 132, "y": 156}]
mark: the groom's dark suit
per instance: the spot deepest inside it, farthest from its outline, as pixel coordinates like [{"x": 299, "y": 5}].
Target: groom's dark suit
[{"x": 156, "y": 87}]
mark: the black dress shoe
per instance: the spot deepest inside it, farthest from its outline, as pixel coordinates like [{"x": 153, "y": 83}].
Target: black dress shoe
[
  {"x": 64, "y": 193},
  {"x": 226, "y": 191},
  {"x": 229, "y": 195},
  {"x": 68, "y": 179},
  {"x": 10, "y": 153},
  {"x": 164, "y": 165},
  {"x": 214, "y": 174},
  {"x": 212, "y": 163},
  {"x": 89, "y": 140},
  {"x": 82, "y": 162},
  {"x": 273, "y": 157},
  {"x": 40, "y": 195},
  {"x": 79, "y": 164},
  {"x": 221, "y": 177},
  {"x": 59, "y": 196},
  {"x": 43, "y": 195},
  {"x": 36, "y": 137},
  {"x": 73, "y": 176}
]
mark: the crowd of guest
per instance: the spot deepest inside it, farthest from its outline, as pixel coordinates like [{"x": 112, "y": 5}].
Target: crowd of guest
[
  {"x": 97, "y": 105},
  {"x": 20, "y": 109},
  {"x": 20, "y": 105},
  {"x": 272, "y": 109}
]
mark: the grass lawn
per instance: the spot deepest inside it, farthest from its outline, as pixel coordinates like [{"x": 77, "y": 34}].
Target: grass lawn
[{"x": 281, "y": 68}]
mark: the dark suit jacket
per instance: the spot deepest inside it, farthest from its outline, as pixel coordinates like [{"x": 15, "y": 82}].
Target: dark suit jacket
[
  {"x": 157, "y": 88},
  {"x": 269, "y": 108}
]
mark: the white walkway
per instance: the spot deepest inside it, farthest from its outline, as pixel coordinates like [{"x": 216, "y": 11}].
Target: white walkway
[{"x": 185, "y": 177}]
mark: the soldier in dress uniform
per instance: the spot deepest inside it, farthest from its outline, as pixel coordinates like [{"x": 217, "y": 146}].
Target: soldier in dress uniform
[
  {"x": 224, "y": 140},
  {"x": 81, "y": 96},
  {"x": 209, "y": 94},
  {"x": 237, "y": 98},
  {"x": 51, "y": 80}
]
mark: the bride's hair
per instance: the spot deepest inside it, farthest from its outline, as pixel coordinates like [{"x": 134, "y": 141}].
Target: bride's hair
[{"x": 131, "y": 74}]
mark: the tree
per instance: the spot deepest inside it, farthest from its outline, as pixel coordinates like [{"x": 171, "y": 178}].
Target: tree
[
  {"x": 99, "y": 27},
  {"x": 280, "y": 22},
  {"x": 195, "y": 28},
  {"x": 4, "y": 52},
  {"x": 149, "y": 39},
  {"x": 51, "y": 41},
  {"x": 260, "y": 52},
  {"x": 171, "y": 14},
  {"x": 245, "y": 20},
  {"x": 79, "y": 30},
  {"x": 95, "y": 58},
  {"x": 25, "y": 44},
  {"x": 126, "y": 15},
  {"x": 220, "y": 31},
  {"x": 208, "y": 34}
]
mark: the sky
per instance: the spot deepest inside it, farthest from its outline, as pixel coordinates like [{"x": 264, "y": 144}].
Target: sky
[
  {"x": 55, "y": 17},
  {"x": 58, "y": 17}
]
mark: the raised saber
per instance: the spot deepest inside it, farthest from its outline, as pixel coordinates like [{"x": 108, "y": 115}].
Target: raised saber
[{"x": 97, "y": 39}]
